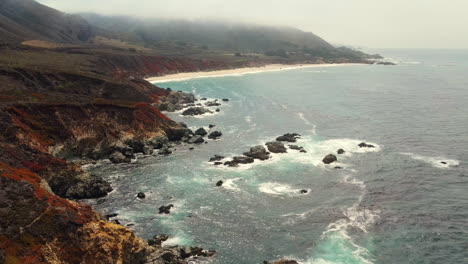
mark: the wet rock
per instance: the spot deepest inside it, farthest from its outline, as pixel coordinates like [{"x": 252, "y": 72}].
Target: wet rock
[
  {"x": 148, "y": 150},
  {"x": 225, "y": 100},
  {"x": 165, "y": 209},
  {"x": 258, "y": 152},
  {"x": 127, "y": 151},
  {"x": 182, "y": 124},
  {"x": 218, "y": 110},
  {"x": 340, "y": 151},
  {"x": 191, "y": 148},
  {"x": 299, "y": 148},
  {"x": 215, "y": 135},
  {"x": 118, "y": 157},
  {"x": 304, "y": 191},
  {"x": 365, "y": 145},
  {"x": 216, "y": 158},
  {"x": 201, "y": 132},
  {"x": 157, "y": 240},
  {"x": 211, "y": 126},
  {"x": 243, "y": 160},
  {"x": 141, "y": 195},
  {"x": 193, "y": 111},
  {"x": 289, "y": 137},
  {"x": 165, "y": 151},
  {"x": 196, "y": 140},
  {"x": 218, "y": 163},
  {"x": 212, "y": 103},
  {"x": 116, "y": 221},
  {"x": 443, "y": 162},
  {"x": 281, "y": 261},
  {"x": 338, "y": 168},
  {"x": 219, "y": 183},
  {"x": 158, "y": 142},
  {"x": 231, "y": 164},
  {"x": 186, "y": 252},
  {"x": 276, "y": 147},
  {"x": 330, "y": 158},
  {"x": 204, "y": 99}
]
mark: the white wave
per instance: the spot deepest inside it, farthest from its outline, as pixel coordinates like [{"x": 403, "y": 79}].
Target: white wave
[
  {"x": 230, "y": 184},
  {"x": 434, "y": 161},
  {"x": 412, "y": 62},
  {"x": 175, "y": 241},
  {"x": 248, "y": 119},
  {"x": 275, "y": 188}
]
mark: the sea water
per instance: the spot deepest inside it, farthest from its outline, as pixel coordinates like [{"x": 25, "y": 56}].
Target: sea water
[{"x": 395, "y": 203}]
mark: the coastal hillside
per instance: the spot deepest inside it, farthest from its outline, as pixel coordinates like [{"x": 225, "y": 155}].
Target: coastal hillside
[
  {"x": 212, "y": 34},
  {"x": 22, "y": 20},
  {"x": 73, "y": 93}
]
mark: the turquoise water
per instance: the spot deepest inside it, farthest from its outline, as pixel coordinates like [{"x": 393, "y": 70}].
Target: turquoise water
[{"x": 396, "y": 203}]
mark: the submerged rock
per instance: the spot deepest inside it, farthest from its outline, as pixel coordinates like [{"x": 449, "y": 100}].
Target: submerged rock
[
  {"x": 215, "y": 135},
  {"x": 340, "y": 151},
  {"x": 296, "y": 147},
  {"x": 165, "y": 209},
  {"x": 217, "y": 163},
  {"x": 276, "y": 147},
  {"x": 258, "y": 152},
  {"x": 216, "y": 158},
  {"x": 330, "y": 158},
  {"x": 225, "y": 100},
  {"x": 365, "y": 145},
  {"x": 211, "y": 126},
  {"x": 212, "y": 103},
  {"x": 304, "y": 191}
]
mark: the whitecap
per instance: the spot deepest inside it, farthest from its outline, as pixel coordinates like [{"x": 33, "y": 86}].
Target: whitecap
[
  {"x": 434, "y": 161},
  {"x": 230, "y": 184},
  {"x": 281, "y": 189}
]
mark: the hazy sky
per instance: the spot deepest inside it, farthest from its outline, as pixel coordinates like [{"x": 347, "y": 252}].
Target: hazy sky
[{"x": 364, "y": 23}]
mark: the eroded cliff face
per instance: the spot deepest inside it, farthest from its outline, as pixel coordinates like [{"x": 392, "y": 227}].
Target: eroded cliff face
[{"x": 49, "y": 114}]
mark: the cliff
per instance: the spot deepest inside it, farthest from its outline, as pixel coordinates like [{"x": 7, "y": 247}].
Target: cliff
[{"x": 60, "y": 104}]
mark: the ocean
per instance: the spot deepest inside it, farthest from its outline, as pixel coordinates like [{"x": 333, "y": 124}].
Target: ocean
[{"x": 404, "y": 201}]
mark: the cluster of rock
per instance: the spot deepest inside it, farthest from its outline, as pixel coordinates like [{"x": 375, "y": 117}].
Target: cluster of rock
[
  {"x": 175, "y": 254},
  {"x": 260, "y": 152},
  {"x": 331, "y": 158},
  {"x": 176, "y": 101}
]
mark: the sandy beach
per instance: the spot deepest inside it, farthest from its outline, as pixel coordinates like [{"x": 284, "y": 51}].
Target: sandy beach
[{"x": 237, "y": 72}]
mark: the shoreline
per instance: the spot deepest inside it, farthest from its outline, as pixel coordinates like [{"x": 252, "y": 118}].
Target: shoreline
[{"x": 239, "y": 71}]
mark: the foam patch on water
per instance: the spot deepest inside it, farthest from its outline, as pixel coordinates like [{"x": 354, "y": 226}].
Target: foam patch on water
[
  {"x": 176, "y": 241},
  {"x": 230, "y": 184},
  {"x": 437, "y": 162},
  {"x": 280, "y": 189}
]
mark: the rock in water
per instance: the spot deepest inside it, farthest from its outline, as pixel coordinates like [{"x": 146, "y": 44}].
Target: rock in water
[
  {"x": 243, "y": 160},
  {"x": 157, "y": 240},
  {"x": 340, "y": 151},
  {"x": 289, "y": 137},
  {"x": 165, "y": 151},
  {"x": 225, "y": 100},
  {"x": 211, "y": 126},
  {"x": 212, "y": 103},
  {"x": 196, "y": 140},
  {"x": 201, "y": 132},
  {"x": 365, "y": 145},
  {"x": 118, "y": 157},
  {"x": 141, "y": 195},
  {"x": 165, "y": 209},
  {"x": 329, "y": 159},
  {"x": 219, "y": 183},
  {"x": 215, "y": 135},
  {"x": 276, "y": 147},
  {"x": 258, "y": 152},
  {"x": 304, "y": 191},
  {"x": 192, "y": 111},
  {"x": 148, "y": 150},
  {"x": 216, "y": 158}
]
